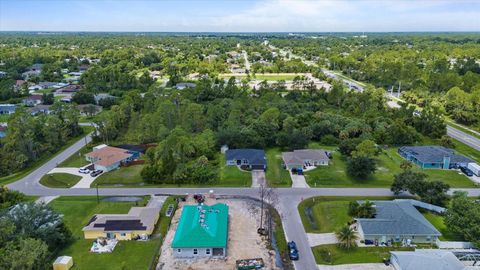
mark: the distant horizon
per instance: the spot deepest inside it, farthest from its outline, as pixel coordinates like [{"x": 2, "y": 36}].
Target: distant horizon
[
  {"x": 235, "y": 16},
  {"x": 241, "y": 32}
]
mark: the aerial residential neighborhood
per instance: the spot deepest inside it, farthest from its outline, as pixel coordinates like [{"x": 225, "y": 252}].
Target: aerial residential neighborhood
[{"x": 239, "y": 135}]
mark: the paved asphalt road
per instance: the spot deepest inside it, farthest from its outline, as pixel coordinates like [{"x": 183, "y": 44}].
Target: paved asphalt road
[
  {"x": 289, "y": 198},
  {"x": 463, "y": 137}
]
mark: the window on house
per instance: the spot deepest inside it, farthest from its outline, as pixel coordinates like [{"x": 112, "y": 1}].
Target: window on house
[
  {"x": 429, "y": 238},
  {"x": 195, "y": 251},
  {"x": 179, "y": 250},
  {"x": 207, "y": 251},
  {"x": 123, "y": 234}
]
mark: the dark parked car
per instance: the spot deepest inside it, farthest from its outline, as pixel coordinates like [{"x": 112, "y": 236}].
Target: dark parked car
[
  {"x": 466, "y": 171},
  {"x": 292, "y": 251},
  {"x": 96, "y": 173}
]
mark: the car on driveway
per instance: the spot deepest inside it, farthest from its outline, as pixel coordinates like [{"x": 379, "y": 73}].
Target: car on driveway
[
  {"x": 96, "y": 173},
  {"x": 84, "y": 170},
  {"x": 466, "y": 171},
  {"x": 292, "y": 251}
]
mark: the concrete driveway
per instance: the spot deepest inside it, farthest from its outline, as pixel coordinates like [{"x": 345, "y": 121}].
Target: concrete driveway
[
  {"x": 258, "y": 178},
  {"x": 298, "y": 181},
  {"x": 316, "y": 239},
  {"x": 86, "y": 180}
]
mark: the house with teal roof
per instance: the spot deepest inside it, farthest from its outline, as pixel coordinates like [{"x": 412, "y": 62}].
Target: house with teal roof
[{"x": 202, "y": 231}]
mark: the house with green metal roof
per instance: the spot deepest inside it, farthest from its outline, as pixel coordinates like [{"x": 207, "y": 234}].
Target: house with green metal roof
[{"x": 202, "y": 231}]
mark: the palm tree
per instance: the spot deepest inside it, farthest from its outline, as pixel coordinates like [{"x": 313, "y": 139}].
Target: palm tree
[{"x": 346, "y": 237}]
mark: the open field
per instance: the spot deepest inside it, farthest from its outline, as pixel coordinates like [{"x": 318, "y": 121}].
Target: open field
[
  {"x": 18, "y": 175},
  {"x": 60, "y": 180},
  {"x": 276, "y": 175},
  {"x": 328, "y": 214},
  {"x": 127, "y": 254},
  {"x": 388, "y": 164},
  {"x": 355, "y": 255}
]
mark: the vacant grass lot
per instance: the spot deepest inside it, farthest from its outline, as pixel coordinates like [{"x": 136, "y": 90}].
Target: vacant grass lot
[
  {"x": 122, "y": 176},
  {"x": 355, "y": 255},
  {"x": 388, "y": 164},
  {"x": 77, "y": 159},
  {"x": 437, "y": 222},
  {"x": 328, "y": 214},
  {"x": 60, "y": 180},
  {"x": 276, "y": 175},
  {"x": 127, "y": 254},
  {"x": 230, "y": 176}
]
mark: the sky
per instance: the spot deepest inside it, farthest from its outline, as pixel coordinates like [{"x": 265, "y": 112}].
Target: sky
[{"x": 240, "y": 15}]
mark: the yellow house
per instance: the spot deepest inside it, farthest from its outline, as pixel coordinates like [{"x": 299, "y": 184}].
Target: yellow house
[{"x": 140, "y": 221}]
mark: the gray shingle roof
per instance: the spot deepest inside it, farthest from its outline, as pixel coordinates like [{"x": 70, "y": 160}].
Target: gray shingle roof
[
  {"x": 254, "y": 156},
  {"x": 433, "y": 154},
  {"x": 397, "y": 217},
  {"x": 427, "y": 259},
  {"x": 299, "y": 156}
]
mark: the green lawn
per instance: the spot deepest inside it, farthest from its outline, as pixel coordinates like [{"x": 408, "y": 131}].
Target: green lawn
[
  {"x": 437, "y": 222},
  {"x": 127, "y": 254},
  {"x": 356, "y": 255},
  {"x": 276, "y": 175},
  {"x": 388, "y": 164},
  {"x": 60, "y": 180},
  {"x": 124, "y": 176},
  {"x": 230, "y": 176},
  {"x": 77, "y": 159},
  {"x": 329, "y": 214},
  {"x": 18, "y": 175},
  {"x": 467, "y": 151},
  {"x": 4, "y": 118}
]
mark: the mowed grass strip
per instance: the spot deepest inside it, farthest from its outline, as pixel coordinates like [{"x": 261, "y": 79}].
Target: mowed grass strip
[
  {"x": 60, "y": 180},
  {"x": 127, "y": 254},
  {"x": 128, "y": 176},
  {"x": 276, "y": 175},
  {"x": 338, "y": 255}
]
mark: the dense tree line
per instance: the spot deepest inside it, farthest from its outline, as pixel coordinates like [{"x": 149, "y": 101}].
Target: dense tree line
[{"x": 30, "y": 138}]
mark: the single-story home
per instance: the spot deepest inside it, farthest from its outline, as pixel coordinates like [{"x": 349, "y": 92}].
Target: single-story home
[
  {"x": 33, "y": 100},
  {"x": 7, "y": 108},
  {"x": 138, "y": 222},
  {"x": 103, "y": 96},
  {"x": 181, "y": 86},
  {"x": 433, "y": 157},
  {"x": 202, "y": 231},
  {"x": 426, "y": 259},
  {"x": 69, "y": 88},
  {"x": 40, "y": 109},
  {"x": 252, "y": 158},
  {"x": 107, "y": 158},
  {"x": 305, "y": 157},
  {"x": 398, "y": 221}
]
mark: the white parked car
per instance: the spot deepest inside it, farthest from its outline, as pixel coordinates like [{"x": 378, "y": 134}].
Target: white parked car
[{"x": 84, "y": 170}]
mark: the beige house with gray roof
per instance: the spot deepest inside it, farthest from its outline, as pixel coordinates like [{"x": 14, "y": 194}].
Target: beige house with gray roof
[{"x": 305, "y": 157}]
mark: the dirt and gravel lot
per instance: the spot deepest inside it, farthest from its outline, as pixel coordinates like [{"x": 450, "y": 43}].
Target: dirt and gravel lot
[{"x": 243, "y": 240}]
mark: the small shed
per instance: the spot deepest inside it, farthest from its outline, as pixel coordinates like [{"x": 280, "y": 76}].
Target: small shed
[{"x": 63, "y": 263}]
